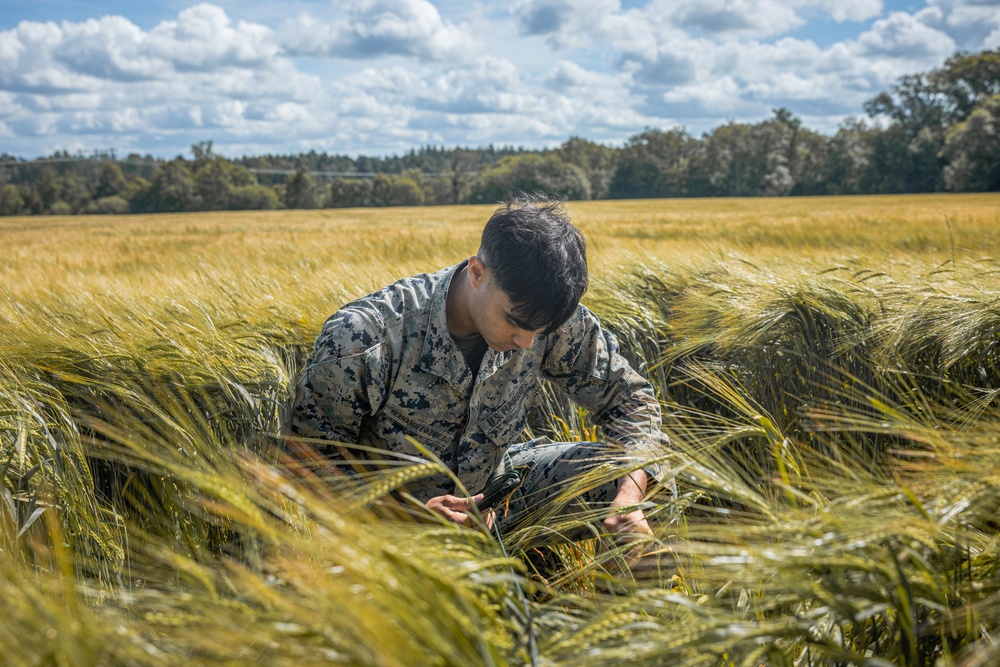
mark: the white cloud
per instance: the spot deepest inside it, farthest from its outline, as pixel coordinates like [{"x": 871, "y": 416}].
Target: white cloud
[
  {"x": 105, "y": 78},
  {"x": 378, "y": 28},
  {"x": 204, "y": 39},
  {"x": 721, "y": 96},
  {"x": 745, "y": 80},
  {"x": 903, "y": 35},
  {"x": 543, "y": 17},
  {"x": 227, "y": 113},
  {"x": 567, "y": 75},
  {"x": 572, "y": 22},
  {"x": 670, "y": 65},
  {"x": 8, "y": 103},
  {"x": 108, "y": 48},
  {"x": 11, "y": 49},
  {"x": 97, "y": 52},
  {"x": 846, "y": 10},
  {"x": 382, "y": 76},
  {"x": 291, "y": 112},
  {"x": 488, "y": 84},
  {"x": 26, "y": 52},
  {"x": 972, "y": 23},
  {"x": 564, "y": 22},
  {"x": 126, "y": 120},
  {"x": 752, "y": 18},
  {"x": 992, "y": 41}
]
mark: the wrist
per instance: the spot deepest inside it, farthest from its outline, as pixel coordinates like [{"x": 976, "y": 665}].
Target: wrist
[
  {"x": 636, "y": 479},
  {"x": 631, "y": 488}
]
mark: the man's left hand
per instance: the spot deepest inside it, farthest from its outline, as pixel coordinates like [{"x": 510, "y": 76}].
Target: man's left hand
[{"x": 459, "y": 510}]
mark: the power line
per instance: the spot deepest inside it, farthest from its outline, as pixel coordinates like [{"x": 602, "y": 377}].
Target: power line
[
  {"x": 109, "y": 155},
  {"x": 103, "y": 155},
  {"x": 331, "y": 174}
]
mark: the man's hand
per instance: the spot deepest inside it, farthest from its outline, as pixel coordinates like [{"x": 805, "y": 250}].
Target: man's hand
[
  {"x": 453, "y": 508},
  {"x": 631, "y": 491}
]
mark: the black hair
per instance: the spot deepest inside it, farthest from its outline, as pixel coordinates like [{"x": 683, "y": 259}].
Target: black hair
[{"x": 538, "y": 258}]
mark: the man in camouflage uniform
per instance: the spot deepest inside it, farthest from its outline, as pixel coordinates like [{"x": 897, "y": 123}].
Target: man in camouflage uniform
[{"x": 452, "y": 360}]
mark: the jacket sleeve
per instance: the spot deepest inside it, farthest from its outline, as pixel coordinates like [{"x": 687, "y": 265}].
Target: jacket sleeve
[
  {"x": 344, "y": 379},
  {"x": 583, "y": 361}
]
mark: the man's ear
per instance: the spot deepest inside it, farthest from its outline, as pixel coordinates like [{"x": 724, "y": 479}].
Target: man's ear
[{"x": 478, "y": 273}]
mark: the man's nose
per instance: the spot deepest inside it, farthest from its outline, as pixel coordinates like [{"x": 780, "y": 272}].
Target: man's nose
[{"x": 524, "y": 339}]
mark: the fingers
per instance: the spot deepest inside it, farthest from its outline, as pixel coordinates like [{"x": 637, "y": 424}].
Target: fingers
[
  {"x": 633, "y": 523},
  {"x": 455, "y": 509},
  {"x": 461, "y": 518},
  {"x": 490, "y": 516}
]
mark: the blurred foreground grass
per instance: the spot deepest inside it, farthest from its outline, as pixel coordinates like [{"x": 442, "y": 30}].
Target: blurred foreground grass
[{"x": 829, "y": 373}]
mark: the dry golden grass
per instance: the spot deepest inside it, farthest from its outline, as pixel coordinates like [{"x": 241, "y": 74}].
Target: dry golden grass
[
  {"x": 828, "y": 368},
  {"x": 317, "y": 258}
]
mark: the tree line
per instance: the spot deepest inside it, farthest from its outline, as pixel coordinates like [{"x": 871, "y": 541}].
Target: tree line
[{"x": 932, "y": 131}]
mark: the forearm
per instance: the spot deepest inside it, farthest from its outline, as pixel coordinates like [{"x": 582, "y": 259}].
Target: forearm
[
  {"x": 631, "y": 488},
  {"x": 631, "y": 492}
]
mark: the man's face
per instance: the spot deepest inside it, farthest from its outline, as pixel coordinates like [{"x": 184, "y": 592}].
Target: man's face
[{"x": 493, "y": 314}]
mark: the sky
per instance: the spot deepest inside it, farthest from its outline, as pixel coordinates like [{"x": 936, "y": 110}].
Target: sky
[{"x": 381, "y": 77}]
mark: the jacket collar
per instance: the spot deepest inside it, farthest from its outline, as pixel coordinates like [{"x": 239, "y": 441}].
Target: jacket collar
[{"x": 440, "y": 355}]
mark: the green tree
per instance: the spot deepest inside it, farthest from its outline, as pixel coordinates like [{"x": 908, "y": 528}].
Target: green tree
[
  {"x": 530, "y": 173},
  {"x": 654, "y": 163},
  {"x": 749, "y": 160},
  {"x": 598, "y": 162},
  {"x": 112, "y": 205},
  {"x": 45, "y": 189},
  {"x": 253, "y": 197},
  {"x": 11, "y": 201},
  {"x": 909, "y": 156},
  {"x": 967, "y": 79},
  {"x": 905, "y": 156},
  {"x": 459, "y": 173},
  {"x": 301, "y": 191},
  {"x": 848, "y": 155},
  {"x": 55, "y": 193},
  {"x": 172, "y": 190},
  {"x": 59, "y": 207},
  {"x": 396, "y": 191},
  {"x": 202, "y": 151},
  {"x": 350, "y": 192},
  {"x": 216, "y": 182},
  {"x": 809, "y": 166},
  {"x": 111, "y": 182},
  {"x": 435, "y": 188},
  {"x": 972, "y": 148},
  {"x": 32, "y": 201}
]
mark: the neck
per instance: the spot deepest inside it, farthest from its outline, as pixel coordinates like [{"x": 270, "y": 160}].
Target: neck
[{"x": 457, "y": 305}]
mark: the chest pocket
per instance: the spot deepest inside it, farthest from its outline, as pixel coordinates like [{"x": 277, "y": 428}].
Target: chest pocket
[
  {"x": 505, "y": 424},
  {"x": 394, "y": 425}
]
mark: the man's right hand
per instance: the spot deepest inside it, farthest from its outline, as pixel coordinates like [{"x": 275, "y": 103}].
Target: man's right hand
[{"x": 453, "y": 508}]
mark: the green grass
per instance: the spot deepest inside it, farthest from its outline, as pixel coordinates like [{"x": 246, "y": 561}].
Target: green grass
[{"x": 829, "y": 374}]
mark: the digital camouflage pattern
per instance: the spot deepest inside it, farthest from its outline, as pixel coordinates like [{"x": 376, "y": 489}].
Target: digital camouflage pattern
[{"x": 385, "y": 369}]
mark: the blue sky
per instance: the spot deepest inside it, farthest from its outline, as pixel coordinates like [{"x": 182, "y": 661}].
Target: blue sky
[{"x": 383, "y": 76}]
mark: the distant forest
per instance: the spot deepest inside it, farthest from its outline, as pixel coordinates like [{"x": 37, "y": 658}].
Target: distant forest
[{"x": 933, "y": 131}]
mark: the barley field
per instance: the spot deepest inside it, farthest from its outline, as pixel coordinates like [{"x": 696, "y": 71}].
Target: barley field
[{"x": 829, "y": 370}]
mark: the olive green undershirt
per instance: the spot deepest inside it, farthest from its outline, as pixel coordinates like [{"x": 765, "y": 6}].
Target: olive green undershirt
[{"x": 473, "y": 349}]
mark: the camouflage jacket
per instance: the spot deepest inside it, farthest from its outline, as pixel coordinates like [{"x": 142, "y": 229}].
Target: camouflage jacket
[{"x": 385, "y": 367}]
